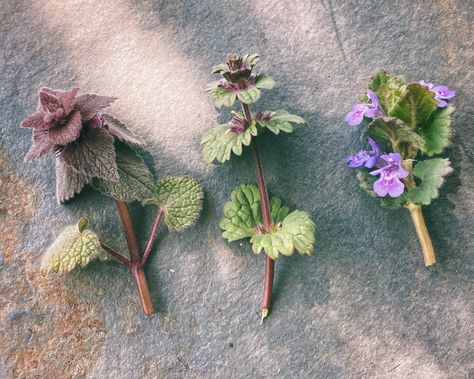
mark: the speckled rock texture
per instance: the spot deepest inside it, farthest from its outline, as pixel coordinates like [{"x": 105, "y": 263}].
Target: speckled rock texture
[{"x": 363, "y": 306}]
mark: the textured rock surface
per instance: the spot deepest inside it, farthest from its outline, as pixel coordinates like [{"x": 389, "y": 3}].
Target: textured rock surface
[{"x": 362, "y": 306}]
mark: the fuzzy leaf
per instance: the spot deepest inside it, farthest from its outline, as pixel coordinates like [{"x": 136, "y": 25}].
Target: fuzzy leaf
[
  {"x": 431, "y": 172},
  {"x": 181, "y": 199},
  {"x": 295, "y": 233},
  {"x": 394, "y": 131},
  {"x": 220, "y": 142},
  {"x": 263, "y": 81},
  {"x": 75, "y": 247},
  {"x": 135, "y": 179},
  {"x": 249, "y": 95},
  {"x": 120, "y": 131},
  {"x": 437, "y": 132},
  {"x": 222, "y": 96},
  {"x": 68, "y": 181},
  {"x": 92, "y": 155},
  {"x": 281, "y": 121},
  {"x": 415, "y": 107}
]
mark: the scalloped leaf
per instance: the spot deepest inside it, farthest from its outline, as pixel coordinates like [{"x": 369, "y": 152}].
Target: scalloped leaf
[
  {"x": 222, "y": 96},
  {"x": 290, "y": 231},
  {"x": 395, "y": 131},
  {"x": 281, "y": 121},
  {"x": 135, "y": 179},
  {"x": 431, "y": 172},
  {"x": 242, "y": 213},
  {"x": 220, "y": 142},
  {"x": 295, "y": 233},
  {"x": 181, "y": 199},
  {"x": 415, "y": 107},
  {"x": 120, "y": 131},
  {"x": 75, "y": 247},
  {"x": 437, "y": 132},
  {"x": 249, "y": 95},
  {"x": 264, "y": 81}
]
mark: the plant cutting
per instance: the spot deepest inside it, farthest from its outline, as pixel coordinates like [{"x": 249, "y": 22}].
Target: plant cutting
[
  {"x": 405, "y": 125},
  {"x": 94, "y": 148},
  {"x": 250, "y": 213}
]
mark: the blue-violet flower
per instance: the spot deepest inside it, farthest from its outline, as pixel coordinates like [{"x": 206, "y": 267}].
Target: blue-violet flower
[
  {"x": 390, "y": 175},
  {"x": 367, "y": 158},
  {"x": 371, "y": 110}
]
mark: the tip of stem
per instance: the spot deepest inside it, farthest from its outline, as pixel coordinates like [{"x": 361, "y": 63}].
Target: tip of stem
[{"x": 264, "y": 314}]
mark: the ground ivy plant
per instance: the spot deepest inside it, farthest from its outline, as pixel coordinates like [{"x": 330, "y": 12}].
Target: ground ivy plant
[
  {"x": 94, "y": 148},
  {"x": 271, "y": 227},
  {"x": 406, "y": 125}
]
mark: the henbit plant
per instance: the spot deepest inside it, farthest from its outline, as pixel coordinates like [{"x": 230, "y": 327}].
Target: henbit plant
[
  {"x": 409, "y": 121},
  {"x": 270, "y": 226},
  {"x": 93, "y": 148}
]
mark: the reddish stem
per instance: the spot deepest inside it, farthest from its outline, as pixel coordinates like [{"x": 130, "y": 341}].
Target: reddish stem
[
  {"x": 151, "y": 240},
  {"x": 116, "y": 255},
  {"x": 135, "y": 267},
  {"x": 266, "y": 215}
]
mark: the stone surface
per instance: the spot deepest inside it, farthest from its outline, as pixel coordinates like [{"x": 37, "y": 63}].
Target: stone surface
[{"x": 362, "y": 306}]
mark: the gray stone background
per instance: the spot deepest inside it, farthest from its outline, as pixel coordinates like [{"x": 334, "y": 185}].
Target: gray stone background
[{"x": 363, "y": 306}]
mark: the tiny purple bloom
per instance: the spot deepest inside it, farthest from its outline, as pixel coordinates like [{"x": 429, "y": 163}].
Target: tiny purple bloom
[
  {"x": 238, "y": 124},
  {"x": 390, "y": 175},
  {"x": 442, "y": 93},
  {"x": 96, "y": 122},
  {"x": 426, "y": 84},
  {"x": 357, "y": 114},
  {"x": 364, "y": 157},
  {"x": 374, "y": 108},
  {"x": 371, "y": 110}
]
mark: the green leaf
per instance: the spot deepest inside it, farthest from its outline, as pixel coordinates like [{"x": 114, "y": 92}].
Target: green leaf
[
  {"x": 222, "y": 96},
  {"x": 242, "y": 213},
  {"x": 242, "y": 219},
  {"x": 294, "y": 233},
  {"x": 415, "y": 107},
  {"x": 263, "y": 81},
  {"x": 281, "y": 121},
  {"x": 75, "y": 247},
  {"x": 249, "y": 95},
  {"x": 220, "y": 142},
  {"x": 437, "y": 132},
  {"x": 381, "y": 77},
  {"x": 135, "y": 179},
  {"x": 431, "y": 172},
  {"x": 394, "y": 131},
  {"x": 181, "y": 199}
]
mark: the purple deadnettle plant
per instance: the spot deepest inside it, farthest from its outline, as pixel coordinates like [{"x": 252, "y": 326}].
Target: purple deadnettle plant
[
  {"x": 94, "y": 148},
  {"x": 405, "y": 125},
  {"x": 250, "y": 213}
]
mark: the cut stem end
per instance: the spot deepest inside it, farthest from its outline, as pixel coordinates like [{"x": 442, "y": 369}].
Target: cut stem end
[{"x": 423, "y": 235}]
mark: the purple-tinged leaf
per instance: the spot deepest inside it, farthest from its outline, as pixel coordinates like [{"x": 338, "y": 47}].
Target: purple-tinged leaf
[
  {"x": 89, "y": 104},
  {"x": 93, "y": 155},
  {"x": 63, "y": 134},
  {"x": 118, "y": 129},
  {"x": 68, "y": 181}
]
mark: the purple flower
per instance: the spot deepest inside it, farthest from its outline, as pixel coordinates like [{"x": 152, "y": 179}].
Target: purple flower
[
  {"x": 442, "y": 93},
  {"x": 238, "y": 124},
  {"x": 390, "y": 175},
  {"x": 359, "y": 111},
  {"x": 60, "y": 118},
  {"x": 365, "y": 157}
]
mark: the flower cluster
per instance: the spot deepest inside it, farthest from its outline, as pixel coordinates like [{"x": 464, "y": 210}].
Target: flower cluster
[
  {"x": 82, "y": 139},
  {"x": 61, "y": 117},
  {"x": 395, "y": 125},
  {"x": 370, "y": 110},
  {"x": 442, "y": 93},
  {"x": 237, "y": 71},
  {"x": 389, "y": 167}
]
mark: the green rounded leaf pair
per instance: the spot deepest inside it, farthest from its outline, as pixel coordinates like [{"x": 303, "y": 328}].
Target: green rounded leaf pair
[{"x": 290, "y": 232}]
